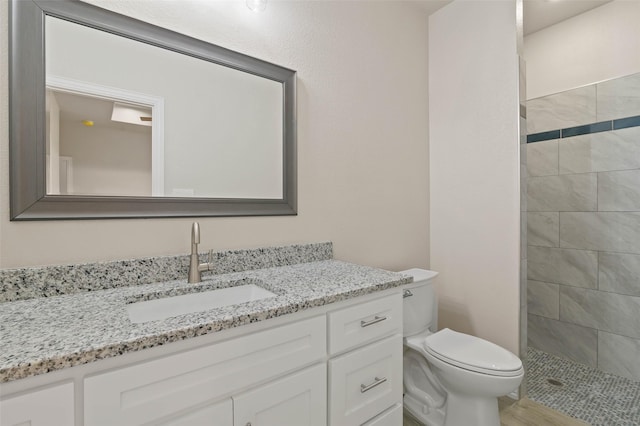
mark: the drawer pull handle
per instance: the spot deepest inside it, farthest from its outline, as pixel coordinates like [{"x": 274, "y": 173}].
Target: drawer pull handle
[
  {"x": 364, "y": 388},
  {"x": 375, "y": 320},
  {"x": 407, "y": 293}
]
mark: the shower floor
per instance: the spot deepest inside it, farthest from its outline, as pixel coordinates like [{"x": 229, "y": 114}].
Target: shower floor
[{"x": 593, "y": 396}]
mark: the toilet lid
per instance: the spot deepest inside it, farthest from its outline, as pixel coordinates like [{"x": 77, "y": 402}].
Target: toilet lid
[{"x": 472, "y": 353}]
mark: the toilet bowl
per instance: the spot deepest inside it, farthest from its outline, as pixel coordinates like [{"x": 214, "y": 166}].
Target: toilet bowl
[{"x": 450, "y": 378}]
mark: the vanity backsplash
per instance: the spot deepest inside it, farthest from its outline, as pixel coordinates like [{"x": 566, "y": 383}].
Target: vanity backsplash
[{"x": 47, "y": 281}]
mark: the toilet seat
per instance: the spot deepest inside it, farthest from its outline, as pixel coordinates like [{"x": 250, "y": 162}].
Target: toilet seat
[{"x": 472, "y": 353}]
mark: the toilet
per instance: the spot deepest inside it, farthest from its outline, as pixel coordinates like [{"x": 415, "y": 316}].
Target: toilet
[{"x": 450, "y": 378}]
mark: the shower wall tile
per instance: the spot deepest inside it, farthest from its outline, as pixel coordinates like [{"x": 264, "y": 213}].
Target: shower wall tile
[
  {"x": 619, "y": 273},
  {"x": 543, "y": 229},
  {"x": 543, "y": 299},
  {"x": 600, "y": 152},
  {"x": 542, "y": 158},
  {"x": 563, "y": 193},
  {"x": 583, "y": 226},
  {"x": 562, "y": 266},
  {"x": 619, "y": 191},
  {"x": 603, "y": 231},
  {"x": 561, "y": 110},
  {"x": 618, "y": 98},
  {"x": 610, "y": 312},
  {"x": 619, "y": 355},
  {"x": 567, "y": 340}
]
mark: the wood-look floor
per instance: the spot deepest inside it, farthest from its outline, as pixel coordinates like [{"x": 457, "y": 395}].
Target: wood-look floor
[
  {"x": 524, "y": 413},
  {"x": 528, "y": 413}
]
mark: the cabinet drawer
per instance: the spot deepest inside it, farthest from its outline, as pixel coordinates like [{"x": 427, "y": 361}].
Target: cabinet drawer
[
  {"x": 391, "y": 417},
  {"x": 364, "y": 323},
  {"x": 52, "y": 406},
  {"x": 162, "y": 388},
  {"x": 365, "y": 382}
]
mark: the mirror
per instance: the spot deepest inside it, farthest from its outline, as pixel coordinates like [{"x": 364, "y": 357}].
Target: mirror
[{"x": 112, "y": 118}]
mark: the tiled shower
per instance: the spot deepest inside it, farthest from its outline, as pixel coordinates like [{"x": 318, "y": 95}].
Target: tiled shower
[{"x": 583, "y": 225}]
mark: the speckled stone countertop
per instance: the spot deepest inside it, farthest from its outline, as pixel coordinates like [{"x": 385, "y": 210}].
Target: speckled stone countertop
[{"x": 44, "y": 334}]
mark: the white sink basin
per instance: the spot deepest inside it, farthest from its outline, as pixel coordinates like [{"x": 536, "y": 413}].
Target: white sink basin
[{"x": 167, "y": 307}]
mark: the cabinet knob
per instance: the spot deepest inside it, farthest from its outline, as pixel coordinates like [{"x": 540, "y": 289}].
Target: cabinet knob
[{"x": 248, "y": 424}]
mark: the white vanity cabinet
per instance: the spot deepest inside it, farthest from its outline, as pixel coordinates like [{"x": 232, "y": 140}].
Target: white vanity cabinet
[
  {"x": 338, "y": 365},
  {"x": 52, "y": 406}
]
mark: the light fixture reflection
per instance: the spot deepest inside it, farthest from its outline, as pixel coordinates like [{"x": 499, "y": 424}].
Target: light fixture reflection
[{"x": 257, "y": 5}]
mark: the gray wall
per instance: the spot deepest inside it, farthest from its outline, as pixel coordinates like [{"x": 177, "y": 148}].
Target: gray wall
[{"x": 583, "y": 223}]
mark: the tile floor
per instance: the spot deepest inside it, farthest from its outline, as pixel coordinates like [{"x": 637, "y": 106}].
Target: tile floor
[{"x": 595, "y": 397}]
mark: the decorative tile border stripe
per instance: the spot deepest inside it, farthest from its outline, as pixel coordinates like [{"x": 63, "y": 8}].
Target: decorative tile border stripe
[
  {"x": 543, "y": 136},
  {"x": 48, "y": 281},
  {"x": 623, "y": 123},
  {"x": 585, "y": 129},
  {"x": 603, "y": 126}
]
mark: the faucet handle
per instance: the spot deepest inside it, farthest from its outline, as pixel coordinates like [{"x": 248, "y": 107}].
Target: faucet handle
[{"x": 210, "y": 259}]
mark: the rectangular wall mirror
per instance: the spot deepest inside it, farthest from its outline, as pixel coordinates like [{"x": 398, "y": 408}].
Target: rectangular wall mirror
[{"x": 112, "y": 117}]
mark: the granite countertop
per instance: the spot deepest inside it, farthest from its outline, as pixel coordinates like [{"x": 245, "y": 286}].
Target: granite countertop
[{"x": 45, "y": 334}]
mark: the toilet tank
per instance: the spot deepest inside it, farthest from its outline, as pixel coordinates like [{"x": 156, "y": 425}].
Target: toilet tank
[{"x": 420, "y": 306}]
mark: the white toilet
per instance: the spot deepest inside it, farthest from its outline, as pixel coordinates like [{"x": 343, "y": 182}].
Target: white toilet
[{"x": 450, "y": 378}]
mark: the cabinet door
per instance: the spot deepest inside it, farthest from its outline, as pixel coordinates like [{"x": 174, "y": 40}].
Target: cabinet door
[
  {"x": 296, "y": 400},
  {"x": 219, "y": 414},
  {"x": 48, "y": 407},
  {"x": 162, "y": 388}
]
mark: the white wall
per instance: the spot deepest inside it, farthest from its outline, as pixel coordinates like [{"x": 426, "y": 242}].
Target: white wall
[
  {"x": 362, "y": 138},
  {"x": 598, "y": 45},
  {"x": 108, "y": 160},
  {"x": 474, "y": 162}
]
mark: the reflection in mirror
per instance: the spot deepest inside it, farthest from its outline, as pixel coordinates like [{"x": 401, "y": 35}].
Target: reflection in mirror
[
  {"x": 222, "y": 129},
  {"x": 97, "y": 146}
]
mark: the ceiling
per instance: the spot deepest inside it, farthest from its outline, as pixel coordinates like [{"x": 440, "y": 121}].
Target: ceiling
[
  {"x": 74, "y": 109},
  {"x": 538, "y": 14}
]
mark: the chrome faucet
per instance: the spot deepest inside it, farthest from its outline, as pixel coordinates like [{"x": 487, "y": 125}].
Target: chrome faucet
[{"x": 195, "y": 267}]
